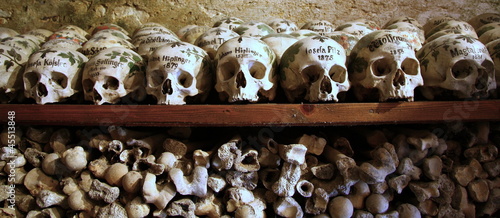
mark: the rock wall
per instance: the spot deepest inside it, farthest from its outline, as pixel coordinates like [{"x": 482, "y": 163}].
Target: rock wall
[{"x": 50, "y": 14}]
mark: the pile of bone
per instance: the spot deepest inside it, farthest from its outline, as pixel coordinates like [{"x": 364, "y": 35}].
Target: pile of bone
[
  {"x": 249, "y": 61},
  {"x": 122, "y": 172}
]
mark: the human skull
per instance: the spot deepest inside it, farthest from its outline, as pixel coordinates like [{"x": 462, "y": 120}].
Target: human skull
[
  {"x": 483, "y": 19},
  {"x": 25, "y": 45},
  {"x": 229, "y": 22},
  {"x": 245, "y": 70},
  {"x": 313, "y": 69},
  {"x": 213, "y": 38},
  {"x": 453, "y": 24},
  {"x": 283, "y": 25},
  {"x": 254, "y": 29},
  {"x": 109, "y": 26},
  {"x": 7, "y": 32},
  {"x": 300, "y": 34},
  {"x": 404, "y": 19},
  {"x": 489, "y": 32},
  {"x": 322, "y": 27},
  {"x": 192, "y": 34},
  {"x": 413, "y": 33},
  {"x": 150, "y": 29},
  {"x": 112, "y": 32},
  {"x": 11, "y": 73},
  {"x": 148, "y": 43},
  {"x": 41, "y": 34},
  {"x": 62, "y": 43},
  {"x": 178, "y": 73},
  {"x": 100, "y": 42},
  {"x": 383, "y": 66},
  {"x": 456, "y": 66},
  {"x": 494, "y": 50},
  {"x": 112, "y": 74},
  {"x": 53, "y": 75},
  {"x": 356, "y": 28},
  {"x": 346, "y": 40},
  {"x": 279, "y": 42}
]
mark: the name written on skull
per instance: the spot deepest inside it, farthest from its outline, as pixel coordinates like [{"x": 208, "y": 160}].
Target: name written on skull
[
  {"x": 52, "y": 62},
  {"x": 323, "y": 50},
  {"x": 246, "y": 52},
  {"x": 386, "y": 39},
  {"x": 216, "y": 41},
  {"x": 476, "y": 52},
  {"x": 108, "y": 61},
  {"x": 172, "y": 61}
]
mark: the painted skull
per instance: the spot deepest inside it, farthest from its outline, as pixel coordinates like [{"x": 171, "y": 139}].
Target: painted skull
[
  {"x": 313, "y": 69},
  {"x": 11, "y": 73},
  {"x": 245, "y": 70},
  {"x": 383, "y": 67},
  {"x": 456, "y": 66},
  {"x": 229, "y": 22},
  {"x": 283, "y": 25},
  {"x": 494, "y": 50},
  {"x": 279, "y": 42},
  {"x": 322, "y": 27},
  {"x": 254, "y": 29},
  {"x": 112, "y": 74},
  {"x": 178, "y": 73},
  {"x": 211, "y": 40},
  {"x": 53, "y": 75}
]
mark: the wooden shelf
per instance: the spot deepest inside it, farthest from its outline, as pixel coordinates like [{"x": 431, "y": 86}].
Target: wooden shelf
[{"x": 254, "y": 114}]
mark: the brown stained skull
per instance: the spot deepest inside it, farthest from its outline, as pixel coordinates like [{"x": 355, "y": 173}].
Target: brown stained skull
[{"x": 456, "y": 66}]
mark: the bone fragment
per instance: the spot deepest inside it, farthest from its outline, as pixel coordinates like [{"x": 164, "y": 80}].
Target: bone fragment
[
  {"x": 103, "y": 192},
  {"x": 288, "y": 207},
  {"x": 340, "y": 207},
  {"x": 194, "y": 184},
  {"x": 314, "y": 144}
]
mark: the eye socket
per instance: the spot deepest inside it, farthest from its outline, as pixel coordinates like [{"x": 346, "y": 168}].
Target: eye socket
[
  {"x": 463, "y": 68},
  {"x": 381, "y": 67},
  {"x": 156, "y": 77},
  {"x": 60, "y": 79},
  {"x": 31, "y": 79},
  {"x": 88, "y": 85},
  {"x": 226, "y": 70},
  {"x": 410, "y": 66},
  {"x": 257, "y": 70},
  {"x": 311, "y": 73},
  {"x": 185, "y": 79},
  {"x": 111, "y": 83},
  {"x": 338, "y": 73}
]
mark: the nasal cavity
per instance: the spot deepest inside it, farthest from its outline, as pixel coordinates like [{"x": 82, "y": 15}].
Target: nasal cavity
[
  {"x": 167, "y": 87},
  {"x": 240, "y": 80},
  {"x": 97, "y": 96},
  {"x": 326, "y": 85},
  {"x": 399, "y": 78},
  {"x": 41, "y": 90}
]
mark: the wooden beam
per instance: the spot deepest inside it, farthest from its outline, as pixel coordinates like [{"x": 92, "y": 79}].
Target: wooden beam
[{"x": 254, "y": 114}]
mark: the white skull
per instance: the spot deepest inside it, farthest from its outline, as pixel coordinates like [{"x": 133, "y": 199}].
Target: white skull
[
  {"x": 404, "y": 19},
  {"x": 456, "y": 66},
  {"x": 109, "y": 26},
  {"x": 254, "y": 29},
  {"x": 41, "y": 34},
  {"x": 383, "y": 67},
  {"x": 314, "y": 69},
  {"x": 70, "y": 35},
  {"x": 147, "y": 44},
  {"x": 23, "y": 44},
  {"x": 11, "y": 73},
  {"x": 356, "y": 28},
  {"x": 489, "y": 32},
  {"x": 444, "y": 32},
  {"x": 53, "y": 75},
  {"x": 192, "y": 34},
  {"x": 113, "y": 32},
  {"x": 229, "y": 22},
  {"x": 180, "y": 33},
  {"x": 62, "y": 43},
  {"x": 112, "y": 74},
  {"x": 412, "y": 32},
  {"x": 7, "y": 32},
  {"x": 279, "y": 42},
  {"x": 100, "y": 42},
  {"x": 211, "y": 40},
  {"x": 283, "y": 25},
  {"x": 494, "y": 50},
  {"x": 245, "y": 70},
  {"x": 178, "y": 73},
  {"x": 346, "y": 40},
  {"x": 300, "y": 34},
  {"x": 151, "y": 29},
  {"x": 322, "y": 27}
]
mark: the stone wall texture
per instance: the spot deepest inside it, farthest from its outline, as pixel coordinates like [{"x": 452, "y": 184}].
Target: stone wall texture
[{"x": 24, "y": 15}]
